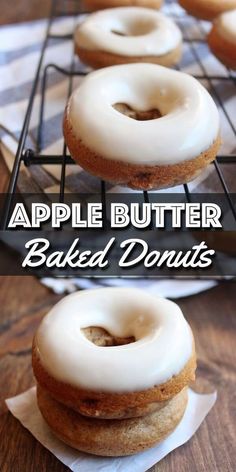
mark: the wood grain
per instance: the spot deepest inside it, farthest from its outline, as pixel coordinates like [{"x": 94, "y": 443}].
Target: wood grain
[
  {"x": 24, "y": 301},
  {"x": 23, "y": 10},
  {"x": 4, "y": 175}
]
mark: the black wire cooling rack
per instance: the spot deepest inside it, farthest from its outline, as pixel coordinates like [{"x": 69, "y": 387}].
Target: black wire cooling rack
[{"x": 63, "y": 8}]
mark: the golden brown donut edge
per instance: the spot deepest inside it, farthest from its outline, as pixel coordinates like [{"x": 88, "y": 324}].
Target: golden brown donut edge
[
  {"x": 139, "y": 177},
  {"x": 98, "y": 59},
  {"x": 114, "y": 437}
]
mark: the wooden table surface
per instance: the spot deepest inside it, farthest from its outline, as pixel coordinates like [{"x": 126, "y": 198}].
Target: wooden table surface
[{"x": 23, "y": 302}]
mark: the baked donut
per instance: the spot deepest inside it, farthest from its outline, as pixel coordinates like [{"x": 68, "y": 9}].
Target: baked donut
[
  {"x": 142, "y": 125},
  {"x": 114, "y": 437},
  {"x": 129, "y": 34},
  {"x": 207, "y": 9},
  {"x": 92, "y": 5},
  {"x": 113, "y": 362},
  {"x": 222, "y": 38}
]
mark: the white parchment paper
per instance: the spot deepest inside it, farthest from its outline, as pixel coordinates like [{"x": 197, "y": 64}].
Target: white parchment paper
[{"x": 24, "y": 408}]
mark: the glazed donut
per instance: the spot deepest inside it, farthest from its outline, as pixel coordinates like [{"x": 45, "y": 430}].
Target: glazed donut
[
  {"x": 97, "y": 436},
  {"x": 92, "y": 5},
  {"x": 124, "y": 35},
  {"x": 123, "y": 380},
  {"x": 142, "y": 125},
  {"x": 222, "y": 38},
  {"x": 207, "y": 9}
]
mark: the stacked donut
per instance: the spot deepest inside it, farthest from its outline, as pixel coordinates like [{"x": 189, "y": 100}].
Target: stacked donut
[{"x": 113, "y": 366}]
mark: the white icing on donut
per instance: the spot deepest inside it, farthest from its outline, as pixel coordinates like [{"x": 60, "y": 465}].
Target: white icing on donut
[
  {"x": 147, "y": 32},
  {"x": 162, "y": 348},
  {"x": 189, "y": 124},
  {"x": 226, "y": 25}
]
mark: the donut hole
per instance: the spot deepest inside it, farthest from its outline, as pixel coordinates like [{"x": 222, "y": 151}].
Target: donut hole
[
  {"x": 119, "y": 33},
  {"x": 139, "y": 115},
  {"x": 135, "y": 27},
  {"x": 101, "y": 337}
]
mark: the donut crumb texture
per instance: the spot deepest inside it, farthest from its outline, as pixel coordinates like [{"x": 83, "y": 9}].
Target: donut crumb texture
[
  {"x": 101, "y": 337},
  {"x": 137, "y": 114}
]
